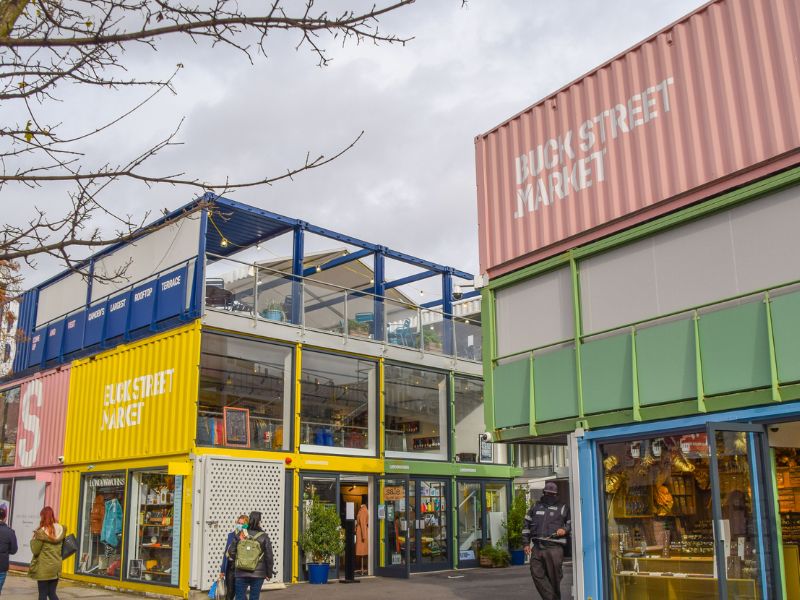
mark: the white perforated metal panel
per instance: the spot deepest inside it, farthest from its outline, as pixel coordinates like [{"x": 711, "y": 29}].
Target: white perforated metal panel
[{"x": 227, "y": 488}]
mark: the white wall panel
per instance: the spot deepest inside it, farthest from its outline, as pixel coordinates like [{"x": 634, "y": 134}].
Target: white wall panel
[
  {"x": 152, "y": 253},
  {"x": 743, "y": 249},
  {"x": 61, "y": 297},
  {"x": 535, "y": 312}
]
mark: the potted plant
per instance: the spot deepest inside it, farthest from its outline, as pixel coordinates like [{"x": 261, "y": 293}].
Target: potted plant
[
  {"x": 273, "y": 311},
  {"x": 321, "y": 539},
  {"x": 358, "y": 328},
  {"x": 431, "y": 340},
  {"x": 514, "y": 525},
  {"x": 494, "y": 556}
]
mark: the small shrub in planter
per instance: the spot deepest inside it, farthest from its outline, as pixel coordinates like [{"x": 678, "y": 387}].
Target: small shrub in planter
[
  {"x": 514, "y": 525},
  {"x": 322, "y": 538},
  {"x": 494, "y": 556}
]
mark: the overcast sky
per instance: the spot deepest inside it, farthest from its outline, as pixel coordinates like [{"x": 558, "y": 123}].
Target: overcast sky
[{"x": 410, "y": 182}]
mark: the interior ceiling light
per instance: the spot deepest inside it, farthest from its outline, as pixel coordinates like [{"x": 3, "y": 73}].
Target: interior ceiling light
[
  {"x": 229, "y": 380},
  {"x": 421, "y": 293},
  {"x": 224, "y": 243},
  {"x": 319, "y": 268}
]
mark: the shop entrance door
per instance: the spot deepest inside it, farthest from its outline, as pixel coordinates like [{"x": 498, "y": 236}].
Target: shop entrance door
[
  {"x": 743, "y": 511},
  {"x": 430, "y": 501},
  {"x": 393, "y": 539}
]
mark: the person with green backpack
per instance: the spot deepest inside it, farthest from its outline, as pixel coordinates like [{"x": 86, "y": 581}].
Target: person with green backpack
[{"x": 252, "y": 559}]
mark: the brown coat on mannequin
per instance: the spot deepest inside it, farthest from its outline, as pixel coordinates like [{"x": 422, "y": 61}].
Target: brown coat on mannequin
[{"x": 362, "y": 531}]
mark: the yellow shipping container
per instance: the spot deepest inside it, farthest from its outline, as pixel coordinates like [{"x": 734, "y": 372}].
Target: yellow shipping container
[{"x": 138, "y": 400}]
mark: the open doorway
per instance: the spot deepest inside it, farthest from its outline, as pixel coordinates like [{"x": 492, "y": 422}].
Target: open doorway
[{"x": 355, "y": 489}]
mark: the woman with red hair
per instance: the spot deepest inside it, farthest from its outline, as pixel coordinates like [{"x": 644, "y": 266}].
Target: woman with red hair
[{"x": 46, "y": 548}]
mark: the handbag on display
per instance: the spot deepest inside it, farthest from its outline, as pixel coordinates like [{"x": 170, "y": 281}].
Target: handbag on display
[{"x": 69, "y": 546}]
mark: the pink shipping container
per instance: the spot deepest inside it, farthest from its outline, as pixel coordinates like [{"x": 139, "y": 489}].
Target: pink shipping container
[
  {"x": 707, "y": 104},
  {"x": 34, "y": 480}
]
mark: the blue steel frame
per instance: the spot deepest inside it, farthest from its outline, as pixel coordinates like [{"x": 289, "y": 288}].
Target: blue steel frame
[
  {"x": 591, "y": 485},
  {"x": 267, "y": 225}
]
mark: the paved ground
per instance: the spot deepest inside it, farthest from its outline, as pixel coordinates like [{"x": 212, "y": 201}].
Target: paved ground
[{"x": 512, "y": 583}]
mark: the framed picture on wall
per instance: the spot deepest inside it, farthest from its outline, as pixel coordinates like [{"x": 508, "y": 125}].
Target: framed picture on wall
[
  {"x": 237, "y": 427},
  {"x": 485, "y": 451}
]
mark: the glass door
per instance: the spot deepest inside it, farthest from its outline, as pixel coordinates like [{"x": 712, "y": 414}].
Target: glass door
[
  {"x": 394, "y": 532},
  {"x": 325, "y": 489},
  {"x": 431, "y": 550},
  {"x": 742, "y": 509},
  {"x": 470, "y": 523}
]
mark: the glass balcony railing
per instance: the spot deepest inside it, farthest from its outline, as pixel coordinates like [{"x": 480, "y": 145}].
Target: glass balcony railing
[{"x": 262, "y": 293}]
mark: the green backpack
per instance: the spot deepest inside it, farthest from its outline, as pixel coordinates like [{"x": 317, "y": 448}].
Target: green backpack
[{"x": 248, "y": 553}]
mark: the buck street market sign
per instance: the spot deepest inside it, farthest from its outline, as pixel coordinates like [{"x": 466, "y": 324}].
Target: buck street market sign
[
  {"x": 575, "y": 160},
  {"x": 124, "y": 401}
]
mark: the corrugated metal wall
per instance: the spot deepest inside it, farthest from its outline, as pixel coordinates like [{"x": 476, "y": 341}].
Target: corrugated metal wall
[
  {"x": 42, "y": 418},
  {"x": 135, "y": 401},
  {"x": 699, "y": 103}
]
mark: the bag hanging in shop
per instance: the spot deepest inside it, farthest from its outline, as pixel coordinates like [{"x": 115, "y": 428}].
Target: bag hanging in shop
[
  {"x": 68, "y": 547},
  {"x": 248, "y": 553}
]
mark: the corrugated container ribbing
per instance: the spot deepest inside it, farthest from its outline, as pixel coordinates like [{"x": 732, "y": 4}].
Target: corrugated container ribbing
[
  {"x": 25, "y": 327},
  {"x": 709, "y": 103},
  {"x": 42, "y": 414},
  {"x": 135, "y": 401}
]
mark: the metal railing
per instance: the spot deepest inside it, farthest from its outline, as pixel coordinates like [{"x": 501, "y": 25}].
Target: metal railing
[{"x": 262, "y": 293}]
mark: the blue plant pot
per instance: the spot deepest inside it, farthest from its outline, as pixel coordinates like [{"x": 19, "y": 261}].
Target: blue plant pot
[
  {"x": 517, "y": 557},
  {"x": 274, "y": 315},
  {"x": 318, "y": 573}
]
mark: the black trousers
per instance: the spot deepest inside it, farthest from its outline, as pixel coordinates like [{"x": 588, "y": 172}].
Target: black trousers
[
  {"x": 47, "y": 589},
  {"x": 546, "y": 571}
]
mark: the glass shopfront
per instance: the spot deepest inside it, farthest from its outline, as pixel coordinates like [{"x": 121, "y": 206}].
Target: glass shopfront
[
  {"x": 130, "y": 526},
  {"x": 688, "y": 515},
  {"x": 102, "y": 516},
  {"x": 154, "y": 529},
  {"x": 9, "y": 399},
  {"x": 337, "y": 404},
  {"x": 469, "y": 448},
  {"x": 245, "y": 393},
  {"x": 482, "y": 511},
  {"x": 416, "y": 413}
]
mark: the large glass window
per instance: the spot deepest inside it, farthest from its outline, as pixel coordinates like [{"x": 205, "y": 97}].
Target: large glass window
[
  {"x": 415, "y": 412},
  {"x": 470, "y": 425},
  {"x": 496, "y": 511},
  {"x": 337, "y": 404},
  {"x": 658, "y": 502},
  {"x": 154, "y": 532},
  {"x": 245, "y": 392},
  {"x": 8, "y": 428},
  {"x": 102, "y": 514}
]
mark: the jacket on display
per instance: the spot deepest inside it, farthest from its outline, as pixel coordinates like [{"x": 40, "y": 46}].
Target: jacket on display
[
  {"x": 112, "y": 523},
  {"x": 97, "y": 515},
  {"x": 362, "y": 531}
]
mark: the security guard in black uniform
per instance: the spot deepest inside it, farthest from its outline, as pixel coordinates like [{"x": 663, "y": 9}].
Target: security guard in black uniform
[{"x": 547, "y": 519}]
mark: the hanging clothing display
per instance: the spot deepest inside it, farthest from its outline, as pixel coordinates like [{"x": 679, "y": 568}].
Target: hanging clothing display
[
  {"x": 97, "y": 515},
  {"x": 362, "y": 531},
  {"x": 112, "y": 523}
]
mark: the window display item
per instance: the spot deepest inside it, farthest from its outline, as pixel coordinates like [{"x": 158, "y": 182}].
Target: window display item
[{"x": 101, "y": 524}]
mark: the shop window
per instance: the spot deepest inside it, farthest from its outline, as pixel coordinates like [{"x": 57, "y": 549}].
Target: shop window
[
  {"x": 8, "y": 427},
  {"x": 470, "y": 521},
  {"x": 245, "y": 392},
  {"x": 659, "y": 516},
  {"x": 102, "y": 515},
  {"x": 154, "y": 531},
  {"x": 336, "y": 404},
  {"x": 470, "y": 425},
  {"x": 416, "y": 413}
]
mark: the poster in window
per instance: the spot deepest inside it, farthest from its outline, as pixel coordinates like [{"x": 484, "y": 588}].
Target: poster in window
[
  {"x": 237, "y": 427},
  {"x": 485, "y": 451},
  {"x": 135, "y": 569}
]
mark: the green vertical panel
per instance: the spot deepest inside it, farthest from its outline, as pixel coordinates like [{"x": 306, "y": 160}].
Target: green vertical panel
[
  {"x": 665, "y": 359},
  {"x": 555, "y": 382},
  {"x": 734, "y": 346},
  {"x": 786, "y": 331},
  {"x": 607, "y": 374},
  {"x": 512, "y": 393}
]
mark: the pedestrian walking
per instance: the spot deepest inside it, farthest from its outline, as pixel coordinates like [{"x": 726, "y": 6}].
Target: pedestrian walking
[
  {"x": 8, "y": 545},
  {"x": 226, "y": 571},
  {"x": 546, "y": 525},
  {"x": 46, "y": 548},
  {"x": 252, "y": 559}
]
